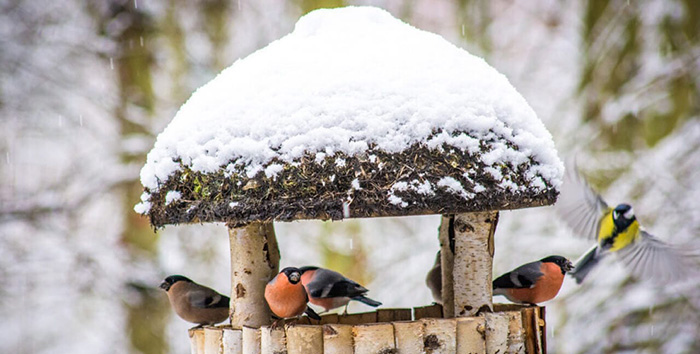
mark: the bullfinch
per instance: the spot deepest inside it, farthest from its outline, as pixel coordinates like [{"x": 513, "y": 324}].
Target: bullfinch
[
  {"x": 434, "y": 280},
  {"x": 195, "y": 303},
  {"x": 618, "y": 232},
  {"x": 533, "y": 282},
  {"x": 330, "y": 289},
  {"x": 286, "y": 295}
]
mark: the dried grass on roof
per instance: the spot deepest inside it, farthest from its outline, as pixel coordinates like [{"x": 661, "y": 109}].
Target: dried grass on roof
[{"x": 307, "y": 189}]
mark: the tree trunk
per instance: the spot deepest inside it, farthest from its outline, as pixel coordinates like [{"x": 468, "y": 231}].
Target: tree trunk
[
  {"x": 254, "y": 261},
  {"x": 473, "y": 263}
]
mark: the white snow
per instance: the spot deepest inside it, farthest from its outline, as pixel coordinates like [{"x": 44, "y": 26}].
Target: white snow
[
  {"x": 356, "y": 184},
  {"x": 172, "y": 196},
  {"x": 343, "y": 80},
  {"x": 393, "y": 199},
  {"x": 273, "y": 169},
  {"x": 424, "y": 188},
  {"x": 453, "y": 186}
]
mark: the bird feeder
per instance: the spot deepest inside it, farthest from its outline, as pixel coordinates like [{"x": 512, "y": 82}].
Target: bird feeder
[{"x": 356, "y": 114}]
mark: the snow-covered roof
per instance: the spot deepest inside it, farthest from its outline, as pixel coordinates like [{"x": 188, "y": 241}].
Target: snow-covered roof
[{"x": 355, "y": 113}]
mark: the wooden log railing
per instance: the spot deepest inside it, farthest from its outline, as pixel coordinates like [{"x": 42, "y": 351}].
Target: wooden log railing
[{"x": 509, "y": 329}]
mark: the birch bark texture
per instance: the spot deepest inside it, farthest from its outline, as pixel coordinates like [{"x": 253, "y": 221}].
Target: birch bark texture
[
  {"x": 254, "y": 261},
  {"x": 466, "y": 241}
]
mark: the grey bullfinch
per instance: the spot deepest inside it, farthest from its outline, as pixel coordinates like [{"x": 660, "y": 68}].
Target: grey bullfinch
[
  {"x": 533, "y": 282},
  {"x": 286, "y": 295},
  {"x": 434, "y": 280},
  {"x": 330, "y": 289},
  {"x": 195, "y": 303}
]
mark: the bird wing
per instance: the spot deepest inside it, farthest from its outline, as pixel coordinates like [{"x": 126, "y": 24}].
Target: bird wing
[
  {"x": 524, "y": 276},
  {"x": 207, "y": 298},
  {"x": 650, "y": 258},
  {"x": 327, "y": 283},
  {"x": 579, "y": 205}
]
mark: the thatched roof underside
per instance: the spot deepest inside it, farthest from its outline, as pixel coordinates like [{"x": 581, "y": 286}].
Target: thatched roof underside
[{"x": 365, "y": 185}]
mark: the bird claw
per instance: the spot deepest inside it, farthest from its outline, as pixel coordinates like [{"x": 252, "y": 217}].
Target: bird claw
[{"x": 276, "y": 323}]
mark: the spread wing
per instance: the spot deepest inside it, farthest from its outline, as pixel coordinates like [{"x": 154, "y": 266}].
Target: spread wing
[
  {"x": 579, "y": 205},
  {"x": 651, "y": 258},
  {"x": 524, "y": 276},
  {"x": 327, "y": 283}
]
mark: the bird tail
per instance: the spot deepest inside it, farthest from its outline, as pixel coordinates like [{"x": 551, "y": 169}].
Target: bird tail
[
  {"x": 365, "y": 300},
  {"x": 585, "y": 264},
  {"x": 311, "y": 313}
]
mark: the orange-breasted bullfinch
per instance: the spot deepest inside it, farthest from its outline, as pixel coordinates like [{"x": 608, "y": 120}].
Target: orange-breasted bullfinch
[
  {"x": 330, "y": 289},
  {"x": 195, "y": 303},
  {"x": 533, "y": 282},
  {"x": 286, "y": 295},
  {"x": 618, "y": 232},
  {"x": 434, "y": 280}
]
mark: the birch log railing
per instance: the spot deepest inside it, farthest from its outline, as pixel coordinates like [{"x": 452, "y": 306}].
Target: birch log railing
[{"x": 509, "y": 329}]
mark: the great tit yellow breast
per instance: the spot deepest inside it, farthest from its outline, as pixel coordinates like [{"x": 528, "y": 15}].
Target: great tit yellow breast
[
  {"x": 626, "y": 237},
  {"x": 619, "y": 238}
]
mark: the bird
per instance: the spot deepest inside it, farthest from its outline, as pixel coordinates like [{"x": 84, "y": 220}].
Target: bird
[
  {"x": 330, "y": 289},
  {"x": 287, "y": 297},
  {"x": 434, "y": 280},
  {"x": 617, "y": 231},
  {"x": 194, "y": 302},
  {"x": 534, "y": 282}
]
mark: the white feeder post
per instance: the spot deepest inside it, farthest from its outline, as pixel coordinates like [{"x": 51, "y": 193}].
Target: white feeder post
[
  {"x": 254, "y": 261},
  {"x": 472, "y": 266}
]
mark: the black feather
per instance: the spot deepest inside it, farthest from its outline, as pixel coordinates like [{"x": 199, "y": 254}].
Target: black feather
[
  {"x": 367, "y": 301},
  {"x": 223, "y": 302},
  {"x": 311, "y": 313},
  {"x": 344, "y": 288}
]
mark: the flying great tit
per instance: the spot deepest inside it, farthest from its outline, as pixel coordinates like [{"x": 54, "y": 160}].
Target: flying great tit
[{"x": 618, "y": 232}]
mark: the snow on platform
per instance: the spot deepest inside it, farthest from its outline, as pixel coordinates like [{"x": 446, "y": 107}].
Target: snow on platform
[{"x": 328, "y": 115}]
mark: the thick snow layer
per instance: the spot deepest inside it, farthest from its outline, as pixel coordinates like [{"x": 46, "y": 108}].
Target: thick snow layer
[{"x": 343, "y": 80}]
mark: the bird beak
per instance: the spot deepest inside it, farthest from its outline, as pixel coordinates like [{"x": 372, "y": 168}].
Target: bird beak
[
  {"x": 294, "y": 277},
  {"x": 568, "y": 266},
  {"x": 165, "y": 286}
]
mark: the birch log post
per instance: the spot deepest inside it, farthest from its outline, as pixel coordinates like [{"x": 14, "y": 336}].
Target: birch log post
[
  {"x": 272, "y": 340},
  {"x": 196, "y": 340},
  {"x": 213, "y": 338},
  {"x": 496, "y": 332},
  {"x": 439, "y": 336},
  {"x": 409, "y": 336},
  {"x": 337, "y": 339},
  {"x": 470, "y": 335},
  {"x": 233, "y": 341},
  {"x": 473, "y": 263},
  {"x": 516, "y": 334},
  {"x": 446, "y": 236},
  {"x": 254, "y": 261},
  {"x": 305, "y": 339},
  {"x": 374, "y": 338},
  {"x": 251, "y": 340}
]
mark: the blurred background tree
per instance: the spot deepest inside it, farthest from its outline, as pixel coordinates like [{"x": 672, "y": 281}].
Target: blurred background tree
[{"x": 86, "y": 87}]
